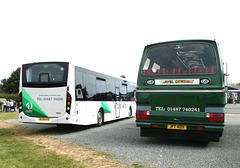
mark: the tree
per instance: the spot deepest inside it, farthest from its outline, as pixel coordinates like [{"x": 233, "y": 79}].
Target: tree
[
  {"x": 234, "y": 84},
  {"x": 2, "y": 85},
  {"x": 123, "y": 76},
  {"x": 11, "y": 85}
]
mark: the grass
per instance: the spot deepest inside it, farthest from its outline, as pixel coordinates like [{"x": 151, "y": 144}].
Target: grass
[
  {"x": 17, "y": 152},
  {"x": 8, "y": 115},
  {"x": 135, "y": 165}
]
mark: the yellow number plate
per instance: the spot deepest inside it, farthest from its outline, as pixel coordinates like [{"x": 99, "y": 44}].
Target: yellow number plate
[
  {"x": 43, "y": 119},
  {"x": 177, "y": 127}
]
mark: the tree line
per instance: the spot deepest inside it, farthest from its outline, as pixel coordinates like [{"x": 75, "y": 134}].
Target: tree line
[
  {"x": 9, "y": 88},
  {"x": 234, "y": 84}
]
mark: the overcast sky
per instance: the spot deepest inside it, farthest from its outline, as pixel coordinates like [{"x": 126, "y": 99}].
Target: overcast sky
[{"x": 109, "y": 35}]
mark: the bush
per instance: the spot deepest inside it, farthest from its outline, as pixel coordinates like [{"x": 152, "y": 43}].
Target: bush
[{"x": 13, "y": 96}]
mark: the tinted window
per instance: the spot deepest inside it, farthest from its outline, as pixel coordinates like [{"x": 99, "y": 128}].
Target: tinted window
[
  {"x": 182, "y": 58},
  {"x": 92, "y": 86},
  {"x": 45, "y": 74}
]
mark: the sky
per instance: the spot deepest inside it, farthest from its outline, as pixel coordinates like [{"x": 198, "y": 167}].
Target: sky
[{"x": 109, "y": 36}]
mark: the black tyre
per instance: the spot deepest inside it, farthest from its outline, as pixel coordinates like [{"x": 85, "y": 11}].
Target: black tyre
[
  {"x": 130, "y": 112},
  {"x": 100, "y": 118}
]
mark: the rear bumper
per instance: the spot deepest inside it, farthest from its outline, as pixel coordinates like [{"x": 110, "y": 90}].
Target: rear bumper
[
  {"x": 65, "y": 119},
  {"x": 190, "y": 126},
  {"x": 206, "y": 133}
]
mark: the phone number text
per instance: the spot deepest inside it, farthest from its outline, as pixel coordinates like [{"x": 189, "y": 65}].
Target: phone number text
[{"x": 183, "y": 109}]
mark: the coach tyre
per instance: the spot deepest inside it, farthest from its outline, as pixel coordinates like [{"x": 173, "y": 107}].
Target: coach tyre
[
  {"x": 100, "y": 118},
  {"x": 130, "y": 112}
]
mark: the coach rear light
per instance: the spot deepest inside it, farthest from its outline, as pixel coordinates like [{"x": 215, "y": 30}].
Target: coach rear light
[
  {"x": 68, "y": 103},
  {"x": 215, "y": 117},
  {"x": 142, "y": 115},
  {"x": 200, "y": 128},
  {"x": 20, "y": 102},
  {"x": 154, "y": 125}
]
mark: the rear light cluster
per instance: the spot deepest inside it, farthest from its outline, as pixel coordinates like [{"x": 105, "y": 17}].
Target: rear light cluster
[
  {"x": 20, "y": 103},
  {"x": 142, "y": 115},
  {"x": 200, "y": 128},
  {"x": 215, "y": 117},
  {"x": 69, "y": 101}
]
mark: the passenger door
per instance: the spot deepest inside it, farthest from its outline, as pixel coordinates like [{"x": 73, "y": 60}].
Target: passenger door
[{"x": 117, "y": 102}]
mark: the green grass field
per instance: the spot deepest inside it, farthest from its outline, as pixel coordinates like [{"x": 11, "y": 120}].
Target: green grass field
[
  {"x": 8, "y": 115},
  {"x": 17, "y": 152}
]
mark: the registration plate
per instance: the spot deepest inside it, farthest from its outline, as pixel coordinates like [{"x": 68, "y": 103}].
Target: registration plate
[
  {"x": 43, "y": 119},
  {"x": 177, "y": 127}
]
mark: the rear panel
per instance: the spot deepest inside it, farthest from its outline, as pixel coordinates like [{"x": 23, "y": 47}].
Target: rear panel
[
  {"x": 44, "y": 102},
  {"x": 185, "y": 92},
  {"x": 44, "y": 92}
]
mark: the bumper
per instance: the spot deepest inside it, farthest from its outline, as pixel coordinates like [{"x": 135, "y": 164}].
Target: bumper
[
  {"x": 65, "y": 119},
  {"x": 197, "y": 132}
]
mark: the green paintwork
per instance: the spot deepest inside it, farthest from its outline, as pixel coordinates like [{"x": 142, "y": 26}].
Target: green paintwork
[
  {"x": 177, "y": 100},
  {"x": 180, "y": 98},
  {"x": 30, "y": 107},
  {"x": 105, "y": 107}
]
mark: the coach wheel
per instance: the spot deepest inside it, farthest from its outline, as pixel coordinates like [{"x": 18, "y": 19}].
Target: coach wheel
[
  {"x": 130, "y": 112},
  {"x": 100, "y": 118}
]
